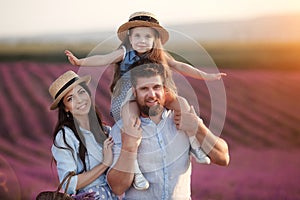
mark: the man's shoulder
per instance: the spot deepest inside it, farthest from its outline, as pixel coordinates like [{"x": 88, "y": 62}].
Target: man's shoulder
[{"x": 117, "y": 126}]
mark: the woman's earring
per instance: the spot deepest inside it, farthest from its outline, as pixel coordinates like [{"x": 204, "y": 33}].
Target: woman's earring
[{"x": 67, "y": 114}]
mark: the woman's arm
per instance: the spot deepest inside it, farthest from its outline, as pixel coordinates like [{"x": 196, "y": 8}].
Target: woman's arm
[
  {"x": 90, "y": 176},
  {"x": 66, "y": 162},
  {"x": 96, "y": 60},
  {"x": 64, "y": 157}
]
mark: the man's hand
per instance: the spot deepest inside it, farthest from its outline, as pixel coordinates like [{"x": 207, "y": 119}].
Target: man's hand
[
  {"x": 187, "y": 121},
  {"x": 131, "y": 135}
]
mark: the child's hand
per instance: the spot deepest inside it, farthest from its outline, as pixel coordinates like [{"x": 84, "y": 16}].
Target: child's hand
[
  {"x": 72, "y": 59},
  {"x": 216, "y": 76}
]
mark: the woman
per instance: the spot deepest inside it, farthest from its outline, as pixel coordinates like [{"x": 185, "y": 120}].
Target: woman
[{"x": 80, "y": 141}]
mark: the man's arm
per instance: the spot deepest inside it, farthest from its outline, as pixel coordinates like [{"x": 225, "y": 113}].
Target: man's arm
[
  {"x": 120, "y": 177},
  {"x": 215, "y": 147}
]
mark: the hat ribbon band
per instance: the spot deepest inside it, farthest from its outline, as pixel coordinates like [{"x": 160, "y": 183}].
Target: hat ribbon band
[
  {"x": 70, "y": 82},
  {"x": 144, "y": 18}
]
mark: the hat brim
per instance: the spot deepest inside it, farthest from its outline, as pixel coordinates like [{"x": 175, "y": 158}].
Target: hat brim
[
  {"x": 85, "y": 79},
  {"x": 123, "y": 29}
]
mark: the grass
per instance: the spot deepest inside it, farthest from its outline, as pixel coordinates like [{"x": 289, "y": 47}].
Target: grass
[
  {"x": 236, "y": 55},
  {"x": 261, "y": 55}
]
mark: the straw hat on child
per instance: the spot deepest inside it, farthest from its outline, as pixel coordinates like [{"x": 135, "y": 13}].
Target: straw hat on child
[
  {"x": 143, "y": 19},
  {"x": 63, "y": 84}
]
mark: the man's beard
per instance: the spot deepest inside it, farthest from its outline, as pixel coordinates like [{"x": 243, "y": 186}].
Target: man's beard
[{"x": 151, "y": 111}]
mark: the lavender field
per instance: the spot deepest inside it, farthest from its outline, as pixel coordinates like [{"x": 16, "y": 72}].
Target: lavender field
[{"x": 262, "y": 128}]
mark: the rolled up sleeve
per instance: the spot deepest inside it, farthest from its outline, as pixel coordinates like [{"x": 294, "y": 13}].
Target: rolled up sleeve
[{"x": 65, "y": 160}]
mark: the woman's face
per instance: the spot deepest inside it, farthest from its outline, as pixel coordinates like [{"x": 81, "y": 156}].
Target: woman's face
[
  {"x": 77, "y": 101},
  {"x": 142, "y": 39}
]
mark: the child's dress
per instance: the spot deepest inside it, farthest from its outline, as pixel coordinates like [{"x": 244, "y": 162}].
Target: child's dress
[{"x": 124, "y": 84}]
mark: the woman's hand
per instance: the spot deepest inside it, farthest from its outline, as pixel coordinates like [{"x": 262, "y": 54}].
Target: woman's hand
[{"x": 107, "y": 151}]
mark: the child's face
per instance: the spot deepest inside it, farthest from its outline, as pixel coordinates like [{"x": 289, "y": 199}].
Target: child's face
[{"x": 142, "y": 39}]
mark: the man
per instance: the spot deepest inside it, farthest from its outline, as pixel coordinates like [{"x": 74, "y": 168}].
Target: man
[{"x": 163, "y": 150}]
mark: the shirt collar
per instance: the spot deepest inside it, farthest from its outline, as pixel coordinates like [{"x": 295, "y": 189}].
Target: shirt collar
[
  {"x": 132, "y": 55},
  {"x": 83, "y": 130}
]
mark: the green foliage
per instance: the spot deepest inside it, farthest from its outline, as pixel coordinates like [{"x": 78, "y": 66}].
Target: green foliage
[{"x": 254, "y": 55}]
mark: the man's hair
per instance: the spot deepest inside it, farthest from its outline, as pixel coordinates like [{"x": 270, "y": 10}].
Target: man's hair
[{"x": 146, "y": 68}]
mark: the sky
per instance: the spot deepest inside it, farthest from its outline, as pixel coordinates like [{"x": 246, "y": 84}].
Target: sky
[{"x": 37, "y": 17}]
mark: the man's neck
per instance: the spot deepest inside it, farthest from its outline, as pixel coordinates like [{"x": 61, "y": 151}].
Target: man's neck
[{"x": 156, "y": 119}]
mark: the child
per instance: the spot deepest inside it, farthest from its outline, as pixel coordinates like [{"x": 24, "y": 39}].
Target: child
[{"x": 142, "y": 37}]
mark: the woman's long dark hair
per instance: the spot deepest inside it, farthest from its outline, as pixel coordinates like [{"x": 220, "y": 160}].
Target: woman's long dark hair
[{"x": 66, "y": 120}]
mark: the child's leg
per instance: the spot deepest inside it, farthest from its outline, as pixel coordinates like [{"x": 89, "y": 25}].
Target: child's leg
[
  {"x": 176, "y": 103},
  {"x": 197, "y": 152},
  {"x": 139, "y": 181},
  {"x": 128, "y": 111},
  {"x": 180, "y": 104}
]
